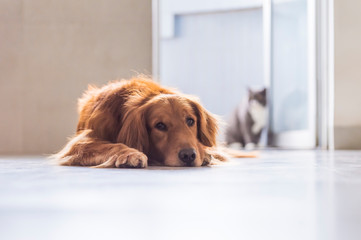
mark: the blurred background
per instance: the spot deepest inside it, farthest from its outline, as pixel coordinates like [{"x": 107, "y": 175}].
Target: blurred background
[{"x": 307, "y": 53}]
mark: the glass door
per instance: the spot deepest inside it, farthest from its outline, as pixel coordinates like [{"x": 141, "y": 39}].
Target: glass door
[
  {"x": 216, "y": 49},
  {"x": 293, "y": 78}
]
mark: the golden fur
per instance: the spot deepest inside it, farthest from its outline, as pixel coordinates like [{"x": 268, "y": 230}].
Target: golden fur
[{"x": 136, "y": 123}]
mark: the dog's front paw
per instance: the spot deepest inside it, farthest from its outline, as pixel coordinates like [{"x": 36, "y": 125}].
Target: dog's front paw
[
  {"x": 207, "y": 159},
  {"x": 213, "y": 157},
  {"x": 132, "y": 158},
  {"x": 125, "y": 158}
]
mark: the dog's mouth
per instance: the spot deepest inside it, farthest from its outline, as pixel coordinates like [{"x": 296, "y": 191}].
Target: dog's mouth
[
  {"x": 188, "y": 164},
  {"x": 175, "y": 160},
  {"x": 178, "y": 164}
]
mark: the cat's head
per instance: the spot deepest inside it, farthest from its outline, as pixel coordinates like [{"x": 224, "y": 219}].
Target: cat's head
[{"x": 258, "y": 95}]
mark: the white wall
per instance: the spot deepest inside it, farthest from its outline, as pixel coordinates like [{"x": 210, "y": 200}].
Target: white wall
[{"x": 347, "y": 73}]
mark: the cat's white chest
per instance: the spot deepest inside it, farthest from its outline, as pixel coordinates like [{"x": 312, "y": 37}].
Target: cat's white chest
[{"x": 259, "y": 116}]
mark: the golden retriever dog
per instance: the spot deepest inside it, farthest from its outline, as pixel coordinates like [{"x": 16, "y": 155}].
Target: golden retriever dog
[{"x": 135, "y": 123}]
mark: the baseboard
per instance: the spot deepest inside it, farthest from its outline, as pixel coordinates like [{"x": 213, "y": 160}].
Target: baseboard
[{"x": 348, "y": 137}]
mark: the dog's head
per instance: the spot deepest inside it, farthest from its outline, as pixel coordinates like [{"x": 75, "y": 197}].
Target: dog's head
[{"x": 171, "y": 129}]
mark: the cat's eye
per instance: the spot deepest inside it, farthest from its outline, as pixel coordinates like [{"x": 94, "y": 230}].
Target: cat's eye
[
  {"x": 190, "y": 121},
  {"x": 161, "y": 126}
]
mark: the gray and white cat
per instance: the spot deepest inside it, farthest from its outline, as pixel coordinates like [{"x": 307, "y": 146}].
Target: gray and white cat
[{"x": 248, "y": 120}]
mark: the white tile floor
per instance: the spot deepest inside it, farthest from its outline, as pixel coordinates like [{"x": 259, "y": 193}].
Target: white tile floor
[{"x": 281, "y": 195}]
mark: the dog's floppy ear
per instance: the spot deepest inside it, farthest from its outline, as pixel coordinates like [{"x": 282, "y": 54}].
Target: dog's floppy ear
[
  {"x": 133, "y": 132},
  {"x": 206, "y": 124}
]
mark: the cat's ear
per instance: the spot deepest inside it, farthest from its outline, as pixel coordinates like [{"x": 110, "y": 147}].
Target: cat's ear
[
  {"x": 250, "y": 93},
  {"x": 264, "y": 91}
]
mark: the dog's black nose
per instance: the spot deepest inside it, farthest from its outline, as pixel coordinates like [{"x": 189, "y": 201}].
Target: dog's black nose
[{"x": 187, "y": 155}]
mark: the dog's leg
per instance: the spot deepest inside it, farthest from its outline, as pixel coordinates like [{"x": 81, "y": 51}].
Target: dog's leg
[
  {"x": 84, "y": 150},
  {"x": 222, "y": 154}
]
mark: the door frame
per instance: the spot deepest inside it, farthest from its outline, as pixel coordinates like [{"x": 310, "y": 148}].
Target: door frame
[
  {"x": 325, "y": 73},
  {"x": 322, "y": 64}
]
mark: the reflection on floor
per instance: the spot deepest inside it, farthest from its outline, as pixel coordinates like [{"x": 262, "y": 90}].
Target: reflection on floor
[{"x": 281, "y": 195}]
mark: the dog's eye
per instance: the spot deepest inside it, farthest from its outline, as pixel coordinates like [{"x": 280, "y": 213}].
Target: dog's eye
[
  {"x": 190, "y": 121},
  {"x": 161, "y": 126}
]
